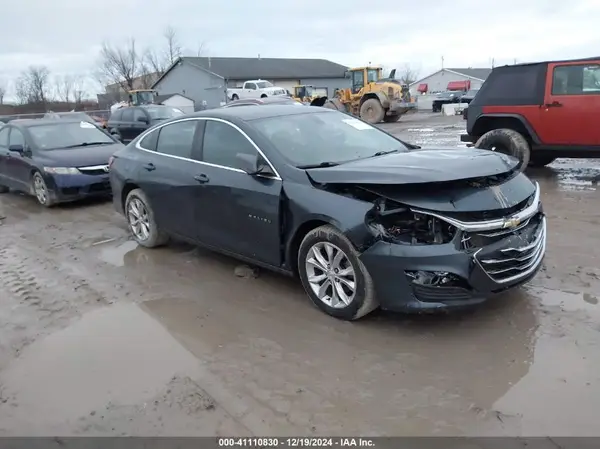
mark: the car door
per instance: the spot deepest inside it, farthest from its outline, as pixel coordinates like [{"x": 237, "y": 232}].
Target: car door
[
  {"x": 18, "y": 164},
  {"x": 140, "y": 123},
  {"x": 4, "y": 132},
  {"x": 572, "y": 100},
  {"x": 126, "y": 125},
  {"x": 238, "y": 212},
  {"x": 251, "y": 91},
  {"x": 166, "y": 175}
]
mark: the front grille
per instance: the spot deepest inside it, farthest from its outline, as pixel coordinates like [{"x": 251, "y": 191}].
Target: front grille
[
  {"x": 509, "y": 264},
  {"x": 94, "y": 170}
]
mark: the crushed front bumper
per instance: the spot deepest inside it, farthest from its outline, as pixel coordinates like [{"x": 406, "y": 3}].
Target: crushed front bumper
[{"x": 500, "y": 260}]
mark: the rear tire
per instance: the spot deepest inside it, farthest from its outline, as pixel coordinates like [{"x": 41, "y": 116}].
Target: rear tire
[
  {"x": 540, "y": 161},
  {"x": 507, "y": 141},
  {"x": 234, "y": 97},
  {"x": 391, "y": 118},
  {"x": 357, "y": 305},
  {"x": 141, "y": 222},
  {"x": 263, "y": 96},
  {"x": 3, "y": 189},
  {"x": 371, "y": 111}
]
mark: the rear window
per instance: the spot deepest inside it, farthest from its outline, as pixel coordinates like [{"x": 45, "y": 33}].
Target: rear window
[{"x": 513, "y": 85}]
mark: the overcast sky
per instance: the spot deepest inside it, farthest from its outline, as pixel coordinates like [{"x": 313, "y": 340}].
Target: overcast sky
[{"x": 66, "y": 35}]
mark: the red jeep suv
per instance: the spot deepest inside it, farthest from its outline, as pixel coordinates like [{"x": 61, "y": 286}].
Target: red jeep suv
[{"x": 538, "y": 112}]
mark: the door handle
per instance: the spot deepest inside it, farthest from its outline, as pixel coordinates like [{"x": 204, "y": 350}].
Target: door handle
[
  {"x": 202, "y": 179},
  {"x": 149, "y": 166},
  {"x": 554, "y": 104}
]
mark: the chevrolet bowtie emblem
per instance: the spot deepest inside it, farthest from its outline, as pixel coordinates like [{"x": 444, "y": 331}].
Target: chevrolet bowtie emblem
[{"x": 512, "y": 222}]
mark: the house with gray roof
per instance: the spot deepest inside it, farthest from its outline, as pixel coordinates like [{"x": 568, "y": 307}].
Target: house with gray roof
[
  {"x": 205, "y": 79},
  {"x": 450, "y": 79}
]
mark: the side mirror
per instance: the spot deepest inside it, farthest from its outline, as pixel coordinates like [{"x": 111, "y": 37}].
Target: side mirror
[
  {"x": 253, "y": 165},
  {"x": 142, "y": 119},
  {"x": 17, "y": 148}
]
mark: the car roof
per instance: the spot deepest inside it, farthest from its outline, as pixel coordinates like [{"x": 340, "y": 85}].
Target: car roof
[
  {"x": 247, "y": 114},
  {"x": 30, "y": 122},
  {"x": 261, "y": 101}
]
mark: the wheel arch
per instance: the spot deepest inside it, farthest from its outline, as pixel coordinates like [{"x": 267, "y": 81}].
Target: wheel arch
[
  {"x": 383, "y": 100},
  {"x": 127, "y": 188},
  {"x": 293, "y": 244},
  {"x": 516, "y": 122}
]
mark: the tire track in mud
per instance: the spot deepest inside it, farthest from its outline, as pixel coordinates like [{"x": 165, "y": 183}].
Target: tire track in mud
[{"x": 38, "y": 297}]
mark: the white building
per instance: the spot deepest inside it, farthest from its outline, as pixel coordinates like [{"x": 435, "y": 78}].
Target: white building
[
  {"x": 177, "y": 101},
  {"x": 450, "y": 79}
]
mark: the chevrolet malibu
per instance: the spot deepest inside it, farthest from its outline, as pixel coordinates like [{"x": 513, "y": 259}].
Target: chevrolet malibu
[
  {"x": 362, "y": 218},
  {"x": 55, "y": 160}
]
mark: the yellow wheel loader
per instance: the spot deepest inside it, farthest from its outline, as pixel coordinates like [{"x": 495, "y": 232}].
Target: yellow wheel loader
[{"x": 373, "y": 98}]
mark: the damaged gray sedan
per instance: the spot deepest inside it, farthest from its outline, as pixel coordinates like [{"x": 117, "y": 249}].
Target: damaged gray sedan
[{"x": 362, "y": 218}]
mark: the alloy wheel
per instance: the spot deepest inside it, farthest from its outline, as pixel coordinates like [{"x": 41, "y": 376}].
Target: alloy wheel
[
  {"x": 330, "y": 275},
  {"x": 139, "y": 220},
  {"x": 40, "y": 189}
]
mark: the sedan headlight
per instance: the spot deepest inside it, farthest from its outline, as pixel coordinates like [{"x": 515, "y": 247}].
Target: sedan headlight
[
  {"x": 62, "y": 170},
  {"x": 413, "y": 228}
]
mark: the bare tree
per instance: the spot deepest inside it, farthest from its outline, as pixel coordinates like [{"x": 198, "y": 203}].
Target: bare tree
[
  {"x": 65, "y": 87},
  {"x": 202, "y": 49},
  {"x": 407, "y": 74},
  {"x": 173, "y": 47},
  {"x": 158, "y": 61},
  {"x": 120, "y": 65},
  {"x": 2, "y": 94},
  {"x": 32, "y": 85}
]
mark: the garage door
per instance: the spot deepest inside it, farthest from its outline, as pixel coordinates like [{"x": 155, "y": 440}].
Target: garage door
[{"x": 286, "y": 84}]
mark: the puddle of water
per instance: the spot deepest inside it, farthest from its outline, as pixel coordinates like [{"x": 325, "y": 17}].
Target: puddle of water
[
  {"x": 420, "y": 130},
  {"x": 115, "y": 255},
  {"x": 116, "y": 355},
  {"x": 560, "y": 394}
]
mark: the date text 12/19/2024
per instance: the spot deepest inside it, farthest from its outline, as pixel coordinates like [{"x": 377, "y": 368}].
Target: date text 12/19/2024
[{"x": 267, "y": 442}]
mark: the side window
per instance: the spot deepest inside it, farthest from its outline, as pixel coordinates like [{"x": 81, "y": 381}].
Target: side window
[
  {"x": 576, "y": 80},
  {"x": 4, "y": 137},
  {"x": 149, "y": 141},
  {"x": 222, "y": 144},
  {"x": 177, "y": 139},
  {"x": 138, "y": 114},
  {"x": 127, "y": 115},
  {"x": 251, "y": 86},
  {"x": 16, "y": 138}
]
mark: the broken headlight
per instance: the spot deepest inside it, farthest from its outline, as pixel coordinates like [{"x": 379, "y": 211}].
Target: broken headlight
[{"x": 406, "y": 226}]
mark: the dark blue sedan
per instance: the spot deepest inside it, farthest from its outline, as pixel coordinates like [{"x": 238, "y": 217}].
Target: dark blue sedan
[{"x": 56, "y": 161}]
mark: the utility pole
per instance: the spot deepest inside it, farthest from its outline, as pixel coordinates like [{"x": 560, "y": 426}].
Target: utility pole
[
  {"x": 493, "y": 63},
  {"x": 442, "y": 63}
]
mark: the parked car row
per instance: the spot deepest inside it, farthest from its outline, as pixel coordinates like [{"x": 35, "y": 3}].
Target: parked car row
[{"x": 364, "y": 219}]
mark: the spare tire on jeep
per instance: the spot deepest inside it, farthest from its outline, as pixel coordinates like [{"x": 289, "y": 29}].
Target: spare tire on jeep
[{"x": 507, "y": 141}]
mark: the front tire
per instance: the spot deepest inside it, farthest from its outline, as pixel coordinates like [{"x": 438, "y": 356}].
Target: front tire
[
  {"x": 371, "y": 111},
  {"x": 391, "y": 118},
  {"x": 40, "y": 190},
  {"x": 141, "y": 222},
  {"x": 333, "y": 276},
  {"x": 507, "y": 141}
]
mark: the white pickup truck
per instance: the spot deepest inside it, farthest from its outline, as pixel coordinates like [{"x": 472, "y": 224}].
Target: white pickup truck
[{"x": 255, "y": 89}]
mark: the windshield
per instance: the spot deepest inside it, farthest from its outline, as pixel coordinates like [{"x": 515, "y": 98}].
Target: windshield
[
  {"x": 314, "y": 138},
  {"x": 64, "y": 135},
  {"x": 164, "y": 112},
  {"x": 263, "y": 84}
]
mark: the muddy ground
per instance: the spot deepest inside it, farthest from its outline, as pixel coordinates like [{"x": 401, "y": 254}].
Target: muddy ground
[{"x": 100, "y": 337}]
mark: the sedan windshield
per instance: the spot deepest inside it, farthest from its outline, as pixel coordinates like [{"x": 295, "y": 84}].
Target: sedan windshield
[
  {"x": 61, "y": 135},
  {"x": 163, "y": 112},
  {"x": 319, "y": 138}
]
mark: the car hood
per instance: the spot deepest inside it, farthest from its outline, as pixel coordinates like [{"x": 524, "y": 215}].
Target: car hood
[
  {"x": 417, "y": 166},
  {"x": 455, "y": 180},
  {"x": 78, "y": 157}
]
